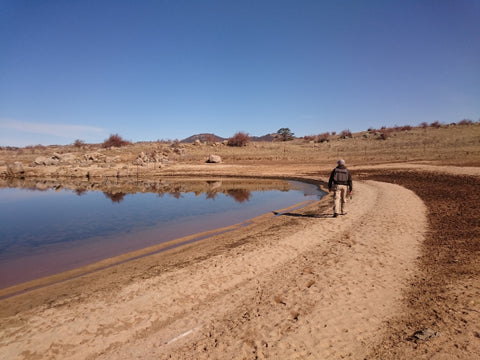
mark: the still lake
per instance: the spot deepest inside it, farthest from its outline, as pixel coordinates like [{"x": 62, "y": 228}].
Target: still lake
[{"x": 46, "y": 228}]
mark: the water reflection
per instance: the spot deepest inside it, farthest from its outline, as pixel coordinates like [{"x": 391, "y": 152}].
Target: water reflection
[
  {"x": 50, "y": 225},
  {"x": 240, "y": 195},
  {"x": 115, "y": 197},
  {"x": 116, "y": 189}
]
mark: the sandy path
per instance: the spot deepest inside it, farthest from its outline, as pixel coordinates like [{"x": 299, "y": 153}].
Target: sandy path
[{"x": 322, "y": 292}]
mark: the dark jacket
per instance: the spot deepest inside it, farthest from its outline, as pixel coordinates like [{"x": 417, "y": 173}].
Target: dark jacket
[{"x": 341, "y": 176}]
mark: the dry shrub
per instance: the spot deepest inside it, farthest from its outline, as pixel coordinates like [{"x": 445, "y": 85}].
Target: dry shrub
[
  {"x": 402, "y": 128},
  {"x": 345, "y": 134},
  {"x": 465, "y": 122},
  {"x": 320, "y": 138},
  {"x": 210, "y": 138},
  {"x": 38, "y": 147},
  {"x": 324, "y": 137},
  {"x": 79, "y": 143},
  {"x": 239, "y": 139},
  {"x": 385, "y": 133},
  {"x": 115, "y": 140}
]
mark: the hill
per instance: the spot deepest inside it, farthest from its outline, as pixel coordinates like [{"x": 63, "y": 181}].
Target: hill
[
  {"x": 207, "y": 137},
  {"x": 203, "y": 138}
]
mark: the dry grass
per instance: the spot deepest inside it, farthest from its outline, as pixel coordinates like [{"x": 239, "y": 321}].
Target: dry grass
[{"x": 445, "y": 145}]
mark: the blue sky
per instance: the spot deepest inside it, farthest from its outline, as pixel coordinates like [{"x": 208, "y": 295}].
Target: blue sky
[{"x": 151, "y": 70}]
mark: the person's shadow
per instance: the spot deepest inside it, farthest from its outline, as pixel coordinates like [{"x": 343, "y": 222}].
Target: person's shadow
[{"x": 316, "y": 216}]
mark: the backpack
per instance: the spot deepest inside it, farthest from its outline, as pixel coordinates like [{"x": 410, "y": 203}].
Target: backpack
[{"x": 341, "y": 176}]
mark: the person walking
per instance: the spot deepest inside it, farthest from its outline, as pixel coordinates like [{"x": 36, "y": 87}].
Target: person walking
[{"x": 340, "y": 182}]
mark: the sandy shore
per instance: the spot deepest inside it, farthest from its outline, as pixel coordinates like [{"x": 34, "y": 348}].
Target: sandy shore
[{"x": 301, "y": 285}]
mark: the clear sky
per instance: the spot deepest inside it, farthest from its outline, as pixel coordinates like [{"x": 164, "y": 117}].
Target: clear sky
[{"x": 151, "y": 70}]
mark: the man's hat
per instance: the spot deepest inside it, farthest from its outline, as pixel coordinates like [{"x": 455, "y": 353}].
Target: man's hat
[{"x": 341, "y": 162}]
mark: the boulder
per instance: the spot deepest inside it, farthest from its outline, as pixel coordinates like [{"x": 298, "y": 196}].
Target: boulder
[
  {"x": 215, "y": 159},
  {"x": 43, "y": 160},
  {"x": 40, "y": 160},
  {"x": 67, "y": 158},
  {"x": 15, "y": 169}
]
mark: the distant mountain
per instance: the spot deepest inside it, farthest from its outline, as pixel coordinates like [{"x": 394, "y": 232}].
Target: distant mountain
[
  {"x": 203, "y": 138},
  {"x": 268, "y": 137},
  {"x": 215, "y": 138}
]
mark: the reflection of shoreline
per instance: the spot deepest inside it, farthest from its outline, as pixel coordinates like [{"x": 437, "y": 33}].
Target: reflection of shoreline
[
  {"x": 115, "y": 189},
  {"x": 239, "y": 195},
  {"x": 161, "y": 186}
]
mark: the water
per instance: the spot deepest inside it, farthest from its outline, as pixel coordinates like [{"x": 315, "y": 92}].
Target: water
[{"x": 47, "y": 227}]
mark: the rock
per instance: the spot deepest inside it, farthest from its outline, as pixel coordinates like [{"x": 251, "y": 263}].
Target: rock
[
  {"x": 67, "y": 158},
  {"x": 40, "y": 160},
  {"x": 45, "y": 161},
  {"x": 95, "y": 157},
  {"x": 214, "y": 159},
  {"x": 425, "y": 334},
  {"x": 139, "y": 162},
  {"x": 15, "y": 169}
]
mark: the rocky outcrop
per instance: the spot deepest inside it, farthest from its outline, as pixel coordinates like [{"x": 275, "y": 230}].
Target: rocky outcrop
[{"x": 156, "y": 158}]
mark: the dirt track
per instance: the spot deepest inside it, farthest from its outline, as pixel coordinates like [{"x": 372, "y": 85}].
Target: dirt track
[
  {"x": 297, "y": 286},
  {"x": 444, "y": 294}
]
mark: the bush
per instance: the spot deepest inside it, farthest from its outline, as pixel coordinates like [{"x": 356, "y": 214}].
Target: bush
[
  {"x": 323, "y": 137},
  {"x": 345, "y": 134},
  {"x": 465, "y": 122},
  {"x": 435, "y": 124},
  {"x": 79, "y": 143},
  {"x": 385, "y": 133},
  {"x": 210, "y": 138},
  {"x": 239, "y": 139},
  {"x": 115, "y": 140}
]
